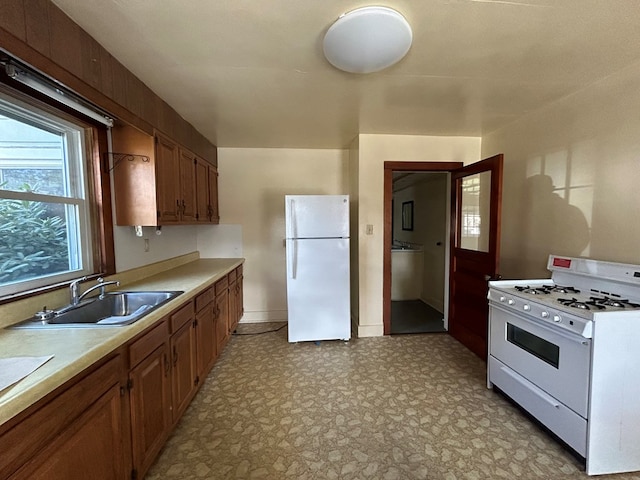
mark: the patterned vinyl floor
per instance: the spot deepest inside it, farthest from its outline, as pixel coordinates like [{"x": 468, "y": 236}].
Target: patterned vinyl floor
[{"x": 399, "y": 407}]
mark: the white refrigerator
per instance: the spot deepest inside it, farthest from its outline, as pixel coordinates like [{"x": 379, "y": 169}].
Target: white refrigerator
[{"x": 317, "y": 250}]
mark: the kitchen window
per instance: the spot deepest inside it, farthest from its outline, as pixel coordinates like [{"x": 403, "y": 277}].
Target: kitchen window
[{"x": 51, "y": 223}]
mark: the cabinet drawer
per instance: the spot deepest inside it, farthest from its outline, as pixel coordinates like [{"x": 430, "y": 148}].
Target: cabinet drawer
[
  {"x": 141, "y": 348},
  {"x": 182, "y": 316},
  {"x": 222, "y": 285},
  {"x": 204, "y": 299},
  {"x": 239, "y": 271}
]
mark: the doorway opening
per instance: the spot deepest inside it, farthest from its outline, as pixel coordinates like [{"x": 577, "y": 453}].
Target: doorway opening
[{"x": 416, "y": 246}]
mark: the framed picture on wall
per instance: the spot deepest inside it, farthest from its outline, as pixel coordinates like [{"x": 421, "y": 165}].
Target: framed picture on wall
[{"x": 407, "y": 215}]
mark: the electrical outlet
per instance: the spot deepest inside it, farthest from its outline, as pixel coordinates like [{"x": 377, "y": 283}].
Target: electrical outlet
[
  {"x": 146, "y": 244},
  {"x": 369, "y": 230}
]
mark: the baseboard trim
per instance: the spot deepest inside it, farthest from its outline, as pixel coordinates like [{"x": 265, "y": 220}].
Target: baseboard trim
[
  {"x": 264, "y": 316},
  {"x": 370, "y": 331}
]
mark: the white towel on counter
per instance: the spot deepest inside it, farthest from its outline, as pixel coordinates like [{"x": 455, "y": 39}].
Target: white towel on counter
[
  {"x": 14, "y": 369},
  {"x": 123, "y": 319}
]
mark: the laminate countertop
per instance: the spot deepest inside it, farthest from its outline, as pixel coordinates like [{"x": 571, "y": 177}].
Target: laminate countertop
[{"x": 75, "y": 349}]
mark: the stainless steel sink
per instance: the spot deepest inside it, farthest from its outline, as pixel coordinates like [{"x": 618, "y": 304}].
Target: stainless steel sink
[{"x": 111, "y": 309}]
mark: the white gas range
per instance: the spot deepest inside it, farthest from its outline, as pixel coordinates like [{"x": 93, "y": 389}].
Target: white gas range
[{"x": 567, "y": 350}]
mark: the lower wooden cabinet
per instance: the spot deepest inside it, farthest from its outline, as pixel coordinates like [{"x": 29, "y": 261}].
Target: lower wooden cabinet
[
  {"x": 221, "y": 313},
  {"x": 184, "y": 378},
  {"x": 206, "y": 345},
  {"x": 78, "y": 434},
  {"x": 149, "y": 395},
  {"x": 110, "y": 422}
]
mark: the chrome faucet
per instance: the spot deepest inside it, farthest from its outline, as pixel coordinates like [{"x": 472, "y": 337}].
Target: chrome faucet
[{"x": 74, "y": 289}]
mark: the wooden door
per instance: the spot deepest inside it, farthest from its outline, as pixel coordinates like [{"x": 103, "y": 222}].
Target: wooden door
[
  {"x": 187, "y": 186},
  {"x": 183, "y": 374},
  {"x": 476, "y": 195},
  {"x": 150, "y": 407},
  {"x": 168, "y": 184}
]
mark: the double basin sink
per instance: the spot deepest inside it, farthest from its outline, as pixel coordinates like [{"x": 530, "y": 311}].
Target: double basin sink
[{"x": 110, "y": 309}]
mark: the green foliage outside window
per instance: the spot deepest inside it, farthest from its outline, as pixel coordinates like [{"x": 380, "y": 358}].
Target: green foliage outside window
[{"x": 33, "y": 240}]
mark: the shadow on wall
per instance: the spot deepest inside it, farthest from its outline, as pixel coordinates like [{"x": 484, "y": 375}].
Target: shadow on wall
[{"x": 553, "y": 224}]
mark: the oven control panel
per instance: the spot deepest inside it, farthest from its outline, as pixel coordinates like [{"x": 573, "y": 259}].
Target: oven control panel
[{"x": 541, "y": 312}]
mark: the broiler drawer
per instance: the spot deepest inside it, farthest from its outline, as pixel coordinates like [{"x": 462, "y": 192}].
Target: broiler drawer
[{"x": 558, "y": 418}]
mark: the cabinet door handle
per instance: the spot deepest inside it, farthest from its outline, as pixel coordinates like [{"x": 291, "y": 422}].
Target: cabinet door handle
[
  {"x": 177, "y": 207},
  {"x": 167, "y": 365},
  {"x": 184, "y": 206},
  {"x": 175, "y": 356}
]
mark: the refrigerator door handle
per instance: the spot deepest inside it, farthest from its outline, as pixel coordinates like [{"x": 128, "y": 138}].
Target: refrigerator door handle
[
  {"x": 292, "y": 218},
  {"x": 292, "y": 253}
]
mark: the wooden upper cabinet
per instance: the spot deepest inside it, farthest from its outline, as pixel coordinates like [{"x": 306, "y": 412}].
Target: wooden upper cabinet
[
  {"x": 168, "y": 183},
  {"x": 187, "y": 193},
  {"x": 213, "y": 209},
  {"x": 202, "y": 190},
  {"x": 158, "y": 182}
]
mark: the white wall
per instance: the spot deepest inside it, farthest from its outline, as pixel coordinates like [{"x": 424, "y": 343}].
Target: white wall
[
  {"x": 172, "y": 242},
  {"x": 253, "y": 183},
  {"x": 374, "y": 150},
  {"x": 586, "y": 146}
]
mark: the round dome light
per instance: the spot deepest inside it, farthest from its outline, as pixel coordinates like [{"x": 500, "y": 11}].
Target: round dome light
[{"x": 368, "y": 39}]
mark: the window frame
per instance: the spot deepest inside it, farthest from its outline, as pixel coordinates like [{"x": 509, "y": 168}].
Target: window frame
[{"x": 98, "y": 189}]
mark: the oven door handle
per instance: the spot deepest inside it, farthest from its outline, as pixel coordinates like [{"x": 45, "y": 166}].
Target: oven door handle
[
  {"x": 577, "y": 338},
  {"x": 532, "y": 388}
]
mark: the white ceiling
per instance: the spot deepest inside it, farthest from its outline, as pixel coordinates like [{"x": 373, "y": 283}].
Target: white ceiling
[{"x": 250, "y": 73}]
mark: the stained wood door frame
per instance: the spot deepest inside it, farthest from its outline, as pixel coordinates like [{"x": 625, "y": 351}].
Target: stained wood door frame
[{"x": 389, "y": 168}]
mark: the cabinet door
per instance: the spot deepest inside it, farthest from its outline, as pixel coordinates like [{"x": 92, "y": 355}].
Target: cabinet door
[
  {"x": 240, "y": 297},
  {"x": 168, "y": 184},
  {"x": 202, "y": 191},
  {"x": 187, "y": 186},
  {"x": 221, "y": 314},
  {"x": 214, "y": 211},
  {"x": 183, "y": 373},
  {"x": 206, "y": 341},
  {"x": 77, "y": 434},
  {"x": 233, "y": 307},
  {"x": 150, "y": 407}
]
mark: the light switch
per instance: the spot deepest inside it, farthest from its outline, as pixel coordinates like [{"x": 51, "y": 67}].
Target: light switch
[{"x": 369, "y": 230}]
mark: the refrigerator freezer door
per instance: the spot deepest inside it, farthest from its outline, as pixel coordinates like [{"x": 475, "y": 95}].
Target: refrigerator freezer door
[
  {"x": 318, "y": 290},
  {"x": 317, "y": 216}
]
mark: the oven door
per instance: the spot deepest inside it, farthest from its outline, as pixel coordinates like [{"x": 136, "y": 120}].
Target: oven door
[{"x": 554, "y": 360}]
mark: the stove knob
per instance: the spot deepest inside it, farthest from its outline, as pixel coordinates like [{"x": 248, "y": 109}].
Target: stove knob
[
  {"x": 511, "y": 301},
  {"x": 526, "y": 308},
  {"x": 502, "y": 299},
  {"x": 545, "y": 314},
  {"x": 557, "y": 318}
]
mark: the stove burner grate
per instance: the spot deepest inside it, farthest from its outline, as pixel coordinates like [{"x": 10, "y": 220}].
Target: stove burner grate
[
  {"x": 531, "y": 290},
  {"x": 561, "y": 289},
  {"x": 605, "y": 302},
  {"x": 575, "y": 303}
]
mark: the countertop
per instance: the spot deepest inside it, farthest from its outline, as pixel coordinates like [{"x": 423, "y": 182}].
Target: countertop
[{"x": 78, "y": 348}]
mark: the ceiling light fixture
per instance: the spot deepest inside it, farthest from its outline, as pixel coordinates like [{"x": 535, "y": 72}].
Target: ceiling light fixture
[{"x": 368, "y": 39}]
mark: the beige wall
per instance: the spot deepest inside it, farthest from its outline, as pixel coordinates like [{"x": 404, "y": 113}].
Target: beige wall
[
  {"x": 374, "y": 150},
  {"x": 172, "y": 242},
  {"x": 571, "y": 178},
  {"x": 253, "y": 183}
]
